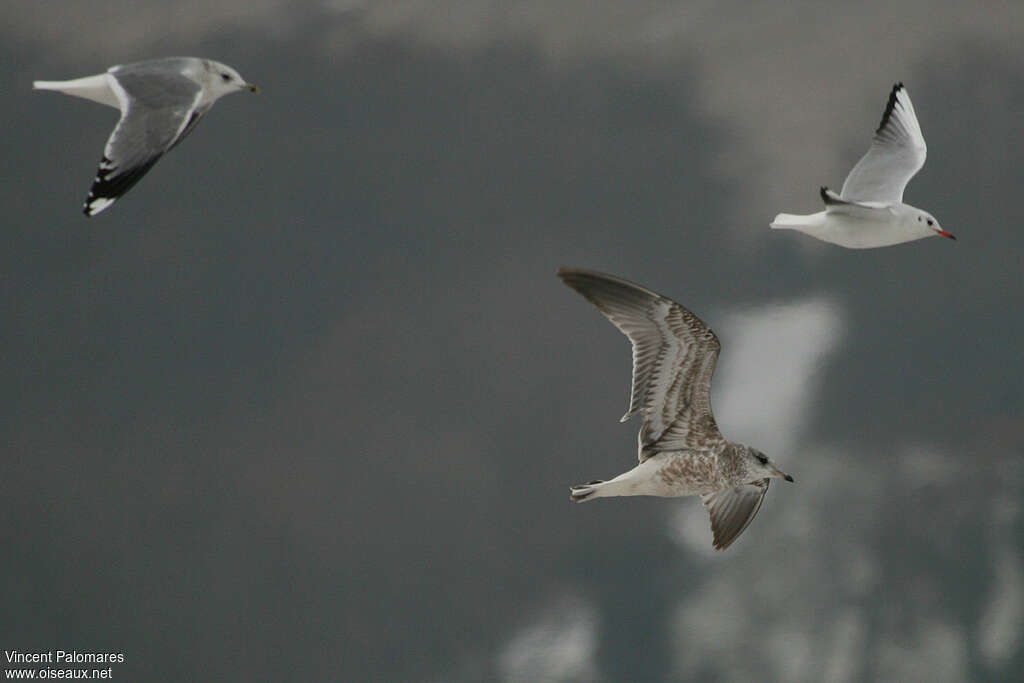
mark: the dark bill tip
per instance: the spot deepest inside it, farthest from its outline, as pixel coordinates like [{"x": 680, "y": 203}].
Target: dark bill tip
[{"x": 788, "y": 478}]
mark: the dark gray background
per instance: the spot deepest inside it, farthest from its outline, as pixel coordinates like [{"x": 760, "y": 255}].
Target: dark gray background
[{"x": 306, "y": 403}]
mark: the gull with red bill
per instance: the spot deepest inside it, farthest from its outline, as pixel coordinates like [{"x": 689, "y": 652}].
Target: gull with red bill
[{"x": 869, "y": 211}]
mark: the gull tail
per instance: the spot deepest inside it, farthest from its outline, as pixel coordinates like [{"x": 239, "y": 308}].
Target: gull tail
[
  {"x": 96, "y": 88},
  {"x": 789, "y": 221},
  {"x": 586, "y": 491}
]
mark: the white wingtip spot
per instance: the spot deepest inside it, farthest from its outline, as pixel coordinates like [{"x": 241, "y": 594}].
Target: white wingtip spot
[{"x": 94, "y": 206}]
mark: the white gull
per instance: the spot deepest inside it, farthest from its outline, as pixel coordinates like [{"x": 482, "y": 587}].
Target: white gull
[
  {"x": 161, "y": 100},
  {"x": 869, "y": 211}
]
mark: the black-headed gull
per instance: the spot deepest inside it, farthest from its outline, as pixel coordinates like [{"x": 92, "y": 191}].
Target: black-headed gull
[{"x": 869, "y": 211}]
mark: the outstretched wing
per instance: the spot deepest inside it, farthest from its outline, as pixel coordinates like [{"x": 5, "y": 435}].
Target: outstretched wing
[
  {"x": 732, "y": 510},
  {"x": 674, "y": 356},
  {"x": 157, "y": 111},
  {"x": 897, "y": 152}
]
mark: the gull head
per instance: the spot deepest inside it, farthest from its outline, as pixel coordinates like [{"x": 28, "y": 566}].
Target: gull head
[
  {"x": 927, "y": 225},
  {"x": 760, "y": 466},
  {"x": 222, "y": 80}
]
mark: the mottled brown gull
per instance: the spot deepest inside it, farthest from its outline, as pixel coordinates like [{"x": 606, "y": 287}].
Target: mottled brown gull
[{"x": 681, "y": 451}]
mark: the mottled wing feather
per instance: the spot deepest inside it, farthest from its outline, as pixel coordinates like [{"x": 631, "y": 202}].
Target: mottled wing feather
[
  {"x": 158, "y": 110},
  {"x": 674, "y": 356},
  {"x": 897, "y": 152},
  {"x": 732, "y": 510}
]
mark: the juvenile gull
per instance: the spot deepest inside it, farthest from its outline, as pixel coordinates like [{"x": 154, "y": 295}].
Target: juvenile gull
[
  {"x": 681, "y": 451},
  {"x": 161, "y": 100},
  {"x": 869, "y": 211}
]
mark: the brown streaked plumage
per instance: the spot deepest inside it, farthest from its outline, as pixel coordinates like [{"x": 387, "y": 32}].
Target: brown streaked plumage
[{"x": 680, "y": 449}]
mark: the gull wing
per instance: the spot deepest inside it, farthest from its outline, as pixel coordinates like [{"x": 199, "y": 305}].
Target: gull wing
[
  {"x": 897, "y": 152},
  {"x": 674, "y": 356},
  {"x": 732, "y": 510},
  {"x": 157, "y": 111},
  {"x": 834, "y": 204}
]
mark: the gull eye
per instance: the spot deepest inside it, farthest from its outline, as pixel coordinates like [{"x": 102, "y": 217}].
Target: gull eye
[
  {"x": 930, "y": 221},
  {"x": 225, "y": 77},
  {"x": 763, "y": 460},
  {"x": 918, "y": 219}
]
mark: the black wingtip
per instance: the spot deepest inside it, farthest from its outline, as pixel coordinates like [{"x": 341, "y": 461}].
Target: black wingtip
[
  {"x": 890, "y": 104},
  {"x": 110, "y": 184},
  {"x": 828, "y": 196}
]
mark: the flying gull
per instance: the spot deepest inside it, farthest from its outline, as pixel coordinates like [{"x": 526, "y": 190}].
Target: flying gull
[
  {"x": 161, "y": 100},
  {"x": 869, "y": 211},
  {"x": 681, "y": 451}
]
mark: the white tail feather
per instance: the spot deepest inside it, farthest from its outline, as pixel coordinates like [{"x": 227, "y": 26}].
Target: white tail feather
[
  {"x": 96, "y": 88},
  {"x": 789, "y": 221}
]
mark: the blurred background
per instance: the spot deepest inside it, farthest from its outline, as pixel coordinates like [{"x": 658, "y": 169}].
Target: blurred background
[{"x": 306, "y": 403}]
